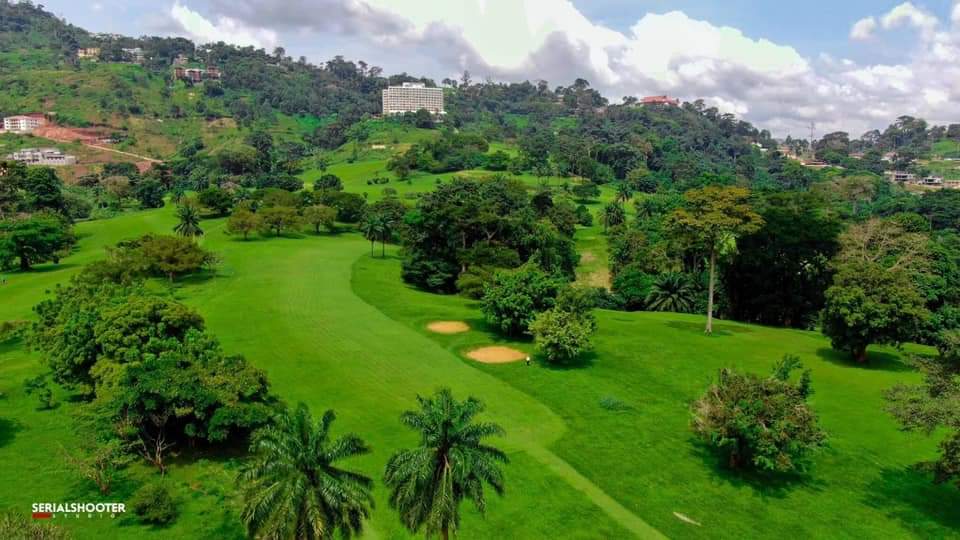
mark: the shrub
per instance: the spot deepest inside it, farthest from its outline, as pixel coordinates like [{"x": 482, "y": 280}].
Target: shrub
[
  {"x": 152, "y": 503},
  {"x": 760, "y": 422},
  {"x": 561, "y": 335},
  {"x": 513, "y": 299}
]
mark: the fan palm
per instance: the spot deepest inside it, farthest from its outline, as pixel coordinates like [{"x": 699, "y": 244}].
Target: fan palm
[
  {"x": 452, "y": 463},
  {"x": 671, "y": 292},
  {"x": 189, "y": 224},
  {"x": 292, "y": 488}
]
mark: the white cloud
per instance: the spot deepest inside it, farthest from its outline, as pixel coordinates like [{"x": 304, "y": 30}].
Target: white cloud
[
  {"x": 864, "y": 28},
  {"x": 909, "y": 15},
  {"x": 226, "y": 29},
  {"x": 769, "y": 83}
]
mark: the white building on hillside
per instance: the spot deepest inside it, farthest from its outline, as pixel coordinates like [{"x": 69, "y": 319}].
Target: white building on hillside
[
  {"x": 24, "y": 123},
  {"x": 411, "y": 97},
  {"x": 43, "y": 156}
]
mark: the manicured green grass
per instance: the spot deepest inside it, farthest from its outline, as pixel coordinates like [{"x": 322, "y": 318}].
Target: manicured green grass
[
  {"x": 337, "y": 329},
  {"x": 644, "y": 456},
  {"x": 288, "y": 305}
]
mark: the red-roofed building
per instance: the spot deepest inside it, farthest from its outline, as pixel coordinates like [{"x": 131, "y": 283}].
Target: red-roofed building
[{"x": 660, "y": 100}]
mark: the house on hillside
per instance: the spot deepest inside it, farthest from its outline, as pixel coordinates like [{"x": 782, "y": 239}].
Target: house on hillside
[
  {"x": 660, "y": 100},
  {"x": 24, "y": 123},
  {"x": 901, "y": 177},
  {"x": 135, "y": 55},
  {"x": 51, "y": 157},
  {"x": 88, "y": 53}
]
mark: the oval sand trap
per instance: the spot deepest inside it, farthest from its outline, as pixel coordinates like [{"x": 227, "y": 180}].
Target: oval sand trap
[
  {"x": 448, "y": 327},
  {"x": 496, "y": 355}
]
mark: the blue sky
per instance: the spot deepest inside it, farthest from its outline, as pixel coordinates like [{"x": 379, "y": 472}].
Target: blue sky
[{"x": 844, "y": 64}]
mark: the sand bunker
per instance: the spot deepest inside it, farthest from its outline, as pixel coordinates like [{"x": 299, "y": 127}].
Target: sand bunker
[
  {"x": 496, "y": 355},
  {"x": 448, "y": 327}
]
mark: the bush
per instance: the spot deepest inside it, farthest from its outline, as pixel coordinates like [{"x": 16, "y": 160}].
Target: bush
[
  {"x": 153, "y": 504},
  {"x": 633, "y": 285},
  {"x": 760, "y": 422},
  {"x": 561, "y": 335},
  {"x": 513, "y": 299},
  {"x": 328, "y": 182}
]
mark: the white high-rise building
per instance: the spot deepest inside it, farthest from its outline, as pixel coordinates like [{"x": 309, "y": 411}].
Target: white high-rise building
[{"x": 411, "y": 97}]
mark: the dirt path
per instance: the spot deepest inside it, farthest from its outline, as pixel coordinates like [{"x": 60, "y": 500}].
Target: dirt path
[{"x": 115, "y": 151}]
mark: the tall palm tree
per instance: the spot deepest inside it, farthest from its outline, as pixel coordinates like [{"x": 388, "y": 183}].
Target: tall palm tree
[
  {"x": 375, "y": 227},
  {"x": 189, "y": 225},
  {"x": 624, "y": 192},
  {"x": 671, "y": 292},
  {"x": 292, "y": 488},
  {"x": 428, "y": 482}
]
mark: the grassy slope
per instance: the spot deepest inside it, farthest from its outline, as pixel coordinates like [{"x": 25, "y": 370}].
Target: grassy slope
[
  {"x": 861, "y": 487},
  {"x": 287, "y": 304}
]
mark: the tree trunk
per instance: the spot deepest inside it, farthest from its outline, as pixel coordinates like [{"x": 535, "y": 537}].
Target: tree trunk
[
  {"x": 713, "y": 277},
  {"x": 383, "y": 248},
  {"x": 24, "y": 263},
  {"x": 445, "y": 533},
  {"x": 860, "y": 354}
]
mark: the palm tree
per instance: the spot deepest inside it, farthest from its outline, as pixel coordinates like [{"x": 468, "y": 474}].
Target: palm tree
[
  {"x": 624, "y": 192},
  {"x": 189, "y": 225},
  {"x": 292, "y": 488},
  {"x": 374, "y": 228},
  {"x": 671, "y": 292},
  {"x": 613, "y": 215},
  {"x": 428, "y": 482}
]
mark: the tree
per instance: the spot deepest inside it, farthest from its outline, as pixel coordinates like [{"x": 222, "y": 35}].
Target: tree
[
  {"x": 452, "y": 462},
  {"x": 328, "y": 182},
  {"x": 561, "y": 335},
  {"x": 782, "y": 270},
  {"x": 671, "y": 292},
  {"x": 624, "y": 192},
  {"x": 278, "y": 219},
  {"x": 243, "y": 221},
  {"x": 714, "y": 216},
  {"x": 163, "y": 255},
  {"x": 99, "y": 461},
  {"x": 512, "y": 300},
  {"x": 374, "y": 228},
  {"x": 150, "y": 193},
  {"x": 32, "y": 240},
  {"x": 868, "y": 304},
  {"x": 216, "y": 199},
  {"x": 293, "y": 486},
  {"x": 935, "y": 405},
  {"x": 188, "y": 217},
  {"x": 154, "y": 504},
  {"x": 613, "y": 215},
  {"x": 586, "y": 191},
  {"x": 874, "y": 297},
  {"x": 44, "y": 189},
  {"x": 320, "y": 216},
  {"x": 760, "y": 422}
]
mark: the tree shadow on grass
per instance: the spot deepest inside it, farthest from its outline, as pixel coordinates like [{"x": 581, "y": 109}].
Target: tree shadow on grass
[
  {"x": 45, "y": 268},
  {"x": 8, "y": 430},
  {"x": 876, "y": 360},
  {"x": 585, "y": 360},
  {"x": 719, "y": 330},
  {"x": 766, "y": 484},
  {"x": 909, "y": 494}
]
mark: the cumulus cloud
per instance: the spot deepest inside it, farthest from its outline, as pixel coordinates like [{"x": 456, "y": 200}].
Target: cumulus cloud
[
  {"x": 864, "y": 28},
  {"x": 226, "y": 29},
  {"x": 769, "y": 83}
]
